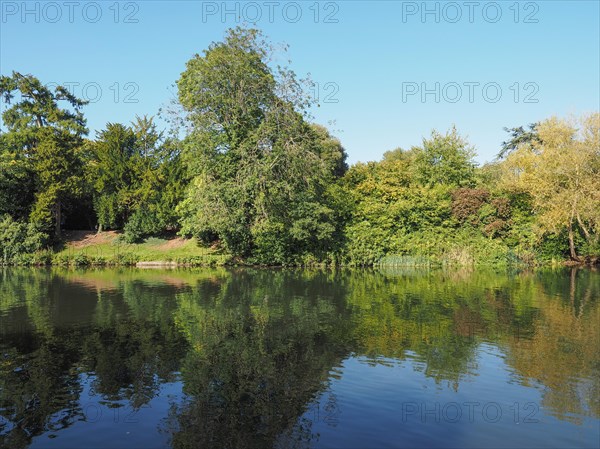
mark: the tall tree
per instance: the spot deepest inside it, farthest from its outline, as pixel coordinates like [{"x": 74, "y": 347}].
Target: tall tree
[
  {"x": 112, "y": 174},
  {"x": 445, "y": 159},
  {"x": 519, "y": 136},
  {"x": 561, "y": 172},
  {"x": 260, "y": 170},
  {"x": 160, "y": 181},
  {"x": 44, "y": 137},
  {"x": 59, "y": 176}
]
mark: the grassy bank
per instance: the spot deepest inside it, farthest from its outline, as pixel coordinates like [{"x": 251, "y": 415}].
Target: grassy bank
[
  {"x": 83, "y": 248},
  {"x": 86, "y": 248}
]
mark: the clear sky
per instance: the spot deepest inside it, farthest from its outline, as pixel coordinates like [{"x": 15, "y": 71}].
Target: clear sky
[{"x": 388, "y": 72}]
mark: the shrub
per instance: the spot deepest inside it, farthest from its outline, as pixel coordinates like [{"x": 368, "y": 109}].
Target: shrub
[
  {"x": 140, "y": 225},
  {"x": 61, "y": 260},
  {"x": 466, "y": 204},
  {"x": 41, "y": 258},
  {"x": 17, "y": 239},
  {"x": 80, "y": 260}
]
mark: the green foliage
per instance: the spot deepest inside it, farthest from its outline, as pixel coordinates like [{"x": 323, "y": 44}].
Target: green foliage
[
  {"x": 445, "y": 159},
  {"x": 48, "y": 136},
  {"x": 260, "y": 172},
  {"x": 390, "y": 207},
  {"x": 112, "y": 175},
  {"x": 244, "y": 171},
  {"x": 18, "y": 239},
  {"x": 17, "y": 185},
  {"x": 410, "y": 209},
  {"x": 140, "y": 225},
  {"x": 137, "y": 179}
]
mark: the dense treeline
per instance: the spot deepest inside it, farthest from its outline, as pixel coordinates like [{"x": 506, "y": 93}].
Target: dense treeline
[{"x": 243, "y": 169}]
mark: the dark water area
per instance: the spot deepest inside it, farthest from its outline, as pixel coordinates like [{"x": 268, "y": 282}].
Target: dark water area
[{"x": 299, "y": 359}]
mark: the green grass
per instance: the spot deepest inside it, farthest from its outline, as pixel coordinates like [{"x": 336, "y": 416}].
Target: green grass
[
  {"x": 117, "y": 252},
  {"x": 406, "y": 261}
]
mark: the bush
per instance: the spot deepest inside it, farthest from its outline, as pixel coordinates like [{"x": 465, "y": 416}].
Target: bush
[
  {"x": 209, "y": 260},
  {"x": 466, "y": 204},
  {"x": 125, "y": 259},
  {"x": 141, "y": 224},
  {"x": 18, "y": 239},
  {"x": 80, "y": 260},
  {"x": 41, "y": 258},
  {"x": 62, "y": 260},
  {"x": 98, "y": 261}
]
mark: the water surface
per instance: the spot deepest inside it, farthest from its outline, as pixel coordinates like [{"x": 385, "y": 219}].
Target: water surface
[{"x": 299, "y": 359}]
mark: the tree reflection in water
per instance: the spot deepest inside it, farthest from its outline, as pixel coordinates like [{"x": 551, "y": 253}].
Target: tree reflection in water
[{"x": 254, "y": 348}]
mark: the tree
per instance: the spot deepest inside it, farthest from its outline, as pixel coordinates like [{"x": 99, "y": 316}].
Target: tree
[
  {"x": 112, "y": 174},
  {"x": 445, "y": 159},
  {"x": 561, "y": 172},
  {"x": 59, "y": 176},
  {"x": 17, "y": 188},
  {"x": 260, "y": 172},
  {"x": 399, "y": 154},
  {"x": 160, "y": 181},
  {"x": 228, "y": 90},
  {"x": 331, "y": 151},
  {"x": 44, "y": 139},
  {"x": 518, "y": 136}
]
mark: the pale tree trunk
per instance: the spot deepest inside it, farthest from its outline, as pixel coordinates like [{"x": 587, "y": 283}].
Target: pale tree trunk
[
  {"x": 572, "y": 251},
  {"x": 587, "y": 234}
]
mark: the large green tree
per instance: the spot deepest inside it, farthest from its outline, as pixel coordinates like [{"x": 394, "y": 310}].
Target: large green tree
[
  {"x": 112, "y": 175},
  {"x": 137, "y": 178},
  {"x": 44, "y": 133},
  {"x": 160, "y": 184},
  {"x": 260, "y": 171}
]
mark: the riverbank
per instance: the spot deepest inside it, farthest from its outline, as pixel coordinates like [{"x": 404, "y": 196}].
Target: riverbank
[
  {"x": 88, "y": 248},
  {"x": 108, "y": 249}
]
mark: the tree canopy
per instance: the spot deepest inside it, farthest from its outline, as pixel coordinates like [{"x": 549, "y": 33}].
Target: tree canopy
[{"x": 251, "y": 177}]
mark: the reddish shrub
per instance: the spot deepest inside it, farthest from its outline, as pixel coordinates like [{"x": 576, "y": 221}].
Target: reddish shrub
[{"x": 466, "y": 203}]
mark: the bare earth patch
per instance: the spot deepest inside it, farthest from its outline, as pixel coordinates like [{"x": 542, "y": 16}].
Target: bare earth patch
[
  {"x": 81, "y": 239},
  {"x": 173, "y": 244}
]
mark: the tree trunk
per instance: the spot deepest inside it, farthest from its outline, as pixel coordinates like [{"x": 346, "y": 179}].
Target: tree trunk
[
  {"x": 588, "y": 237},
  {"x": 572, "y": 243},
  {"x": 58, "y": 217}
]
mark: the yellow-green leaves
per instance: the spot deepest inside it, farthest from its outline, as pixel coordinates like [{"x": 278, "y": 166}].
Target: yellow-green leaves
[{"x": 561, "y": 172}]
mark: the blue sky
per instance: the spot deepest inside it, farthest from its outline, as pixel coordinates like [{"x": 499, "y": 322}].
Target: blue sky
[{"x": 482, "y": 65}]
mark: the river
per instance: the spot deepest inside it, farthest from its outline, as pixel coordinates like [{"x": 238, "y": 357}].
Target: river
[{"x": 249, "y": 358}]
